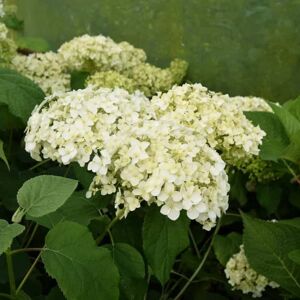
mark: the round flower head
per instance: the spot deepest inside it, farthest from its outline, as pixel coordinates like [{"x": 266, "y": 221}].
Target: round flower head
[
  {"x": 91, "y": 53},
  {"x": 45, "y": 69},
  {"x": 143, "y": 159},
  {"x": 8, "y": 48},
  {"x": 242, "y": 277}
]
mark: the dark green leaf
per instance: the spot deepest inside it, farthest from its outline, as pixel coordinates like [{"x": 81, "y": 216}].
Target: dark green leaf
[
  {"x": 81, "y": 269},
  {"x": 131, "y": 267},
  {"x": 226, "y": 246},
  {"x": 7, "y": 233},
  {"x": 163, "y": 240},
  {"x": 267, "y": 245},
  {"x": 268, "y": 196},
  {"x": 19, "y": 93},
  {"x": 43, "y": 194},
  {"x": 238, "y": 191},
  {"x": 276, "y": 140},
  {"x": 295, "y": 256}
]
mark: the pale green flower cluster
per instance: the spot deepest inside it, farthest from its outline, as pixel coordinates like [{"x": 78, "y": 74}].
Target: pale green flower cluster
[
  {"x": 8, "y": 47},
  {"x": 131, "y": 152},
  {"x": 48, "y": 70},
  {"x": 111, "y": 79},
  {"x": 242, "y": 277},
  {"x": 144, "y": 77},
  {"x": 214, "y": 115},
  {"x": 90, "y": 53}
]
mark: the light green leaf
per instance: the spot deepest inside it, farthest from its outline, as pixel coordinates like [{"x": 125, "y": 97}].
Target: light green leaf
[
  {"x": 226, "y": 246},
  {"x": 81, "y": 269},
  {"x": 276, "y": 140},
  {"x": 2, "y": 154},
  {"x": 289, "y": 122},
  {"x": 267, "y": 245},
  {"x": 7, "y": 233},
  {"x": 77, "y": 208},
  {"x": 293, "y": 106},
  {"x": 19, "y": 93},
  {"x": 268, "y": 196},
  {"x": 295, "y": 256},
  {"x": 163, "y": 240},
  {"x": 132, "y": 271},
  {"x": 42, "y": 195}
]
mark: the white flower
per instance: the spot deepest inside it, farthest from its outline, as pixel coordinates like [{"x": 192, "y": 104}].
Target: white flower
[{"x": 242, "y": 277}]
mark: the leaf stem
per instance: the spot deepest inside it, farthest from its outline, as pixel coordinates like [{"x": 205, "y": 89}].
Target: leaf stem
[
  {"x": 194, "y": 243},
  {"x": 295, "y": 177},
  {"x": 6, "y": 296},
  {"x": 201, "y": 263},
  {"x": 113, "y": 221},
  {"x": 28, "y": 273},
  {"x": 39, "y": 164},
  {"x": 32, "y": 235},
  {"x": 25, "y": 250},
  {"x": 11, "y": 275}
]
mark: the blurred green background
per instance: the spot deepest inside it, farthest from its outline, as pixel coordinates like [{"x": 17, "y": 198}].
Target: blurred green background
[{"x": 240, "y": 47}]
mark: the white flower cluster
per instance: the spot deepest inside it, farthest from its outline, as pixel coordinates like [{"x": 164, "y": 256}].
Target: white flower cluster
[
  {"x": 242, "y": 277},
  {"x": 251, "y": 104},
  {"x": 214, "y": 115},
  {"x": 48, "y": 70},
  {"x": 90, "y": 53},
  {"x": 131, "y": 152}
]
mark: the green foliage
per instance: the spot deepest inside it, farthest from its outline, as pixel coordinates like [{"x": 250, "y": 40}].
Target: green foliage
[
  {"x": 82, "y": 270},
  {"x": 19, "y": 93},
  {"x": 33, "y": 44},
  {"x": 268, "y": 196},
  {"x": 267, "y": 247},
  {"x": 42, "y": 195},
  {"x": 7, "y": 233},
  {"x": 163, "y": 240},
  {"x": 226, "y": 246},
  {"x": 131, "y": 267}
]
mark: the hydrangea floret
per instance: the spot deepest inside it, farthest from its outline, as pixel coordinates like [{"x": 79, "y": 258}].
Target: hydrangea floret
[{"x": 242, "y": 277}]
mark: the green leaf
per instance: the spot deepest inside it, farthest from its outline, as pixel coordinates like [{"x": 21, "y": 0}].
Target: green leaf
[
  {"x": 83, "y": 175},
  {"x": 19, "y": 93},
  {"x": 7, "y": 233},
  {"x": 81, "y": 269},
  {"x": 33, "y": 43},
  {"x": 267, "y": 245},
  {"x": 226, "y": 246},
  {"x": 276, "y": 140},
  {"x": 268, "y": 196},
  {"x": 77, "y": 208},
  {"x": 289, "y": 122},
  {"x": 42, "y": 195},
  {"x": 2, "y": 154},
  {"x": 131, "y": 267},
  {"x": 293, "y": 106},
  {"x": 295, "y": 256},
  {"x": 238, "y": 191},
  {"x": 163, "y": 240}
]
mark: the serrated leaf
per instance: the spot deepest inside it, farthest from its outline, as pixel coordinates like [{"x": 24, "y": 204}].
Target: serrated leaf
[
  {"x": 289, "y": 122},
  {"x": 163, "y": 240},
  {"x": 2, "y": 154},
  {"x": 268, "y": 196},
  {"x": 19, "y": 93},
  {"x": 267, "y": 245},
  {"x": 225, "y": 246},
  {"x": 81, "y": 269},
  {"x": 42, "y": 195},
  {"x": 276, "y": 140},
  {"x": 131, "y": 267},
  {"x": 77, "y": 208},
  {"x": 7, "y": 233}
]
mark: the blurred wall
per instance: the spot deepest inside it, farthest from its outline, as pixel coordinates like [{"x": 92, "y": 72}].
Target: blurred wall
[{"x": 240, "y": 47}]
